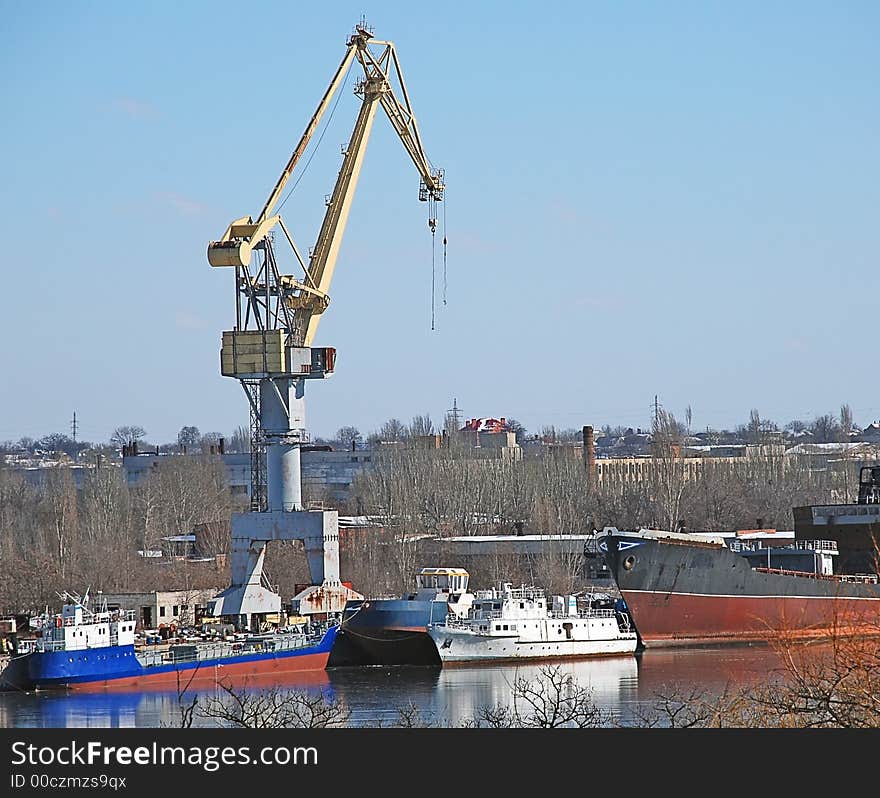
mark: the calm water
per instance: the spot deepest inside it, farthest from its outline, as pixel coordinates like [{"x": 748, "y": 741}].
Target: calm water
[{"x": 620, "y": 686}]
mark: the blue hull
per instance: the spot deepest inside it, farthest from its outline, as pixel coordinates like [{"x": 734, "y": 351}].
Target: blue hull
[
  {"x": 388, "y": 632},
  {"x": 119, "y": 665},
  {"x": 95, "y": 664},
  {"x": 393, "y": 614}
]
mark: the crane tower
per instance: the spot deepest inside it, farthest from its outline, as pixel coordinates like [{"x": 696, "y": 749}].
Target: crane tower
[{"x": 270, "y": 348}]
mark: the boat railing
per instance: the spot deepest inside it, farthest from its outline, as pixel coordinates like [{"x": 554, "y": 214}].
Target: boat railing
[
  {"x": 865, "y": 579},
  {"x": 589, "y": 613},
  {"x": 525, "y": 593},
  {"x": 479, "y": 615},
  {"x": 838, "y": 510},
  {"x": 870, "y": 579},
  {"x": 799, "y": 545},
  {"x": 150, "y": 659},
  {"x": 99, "y": 617},
  {"x": 284, "y": 642},
  {"x": 48, "y": 644},
  {"x": 522, "y": 593},
  {"x": 60, "y": 644},
  {"x": 456, "y": 622}
]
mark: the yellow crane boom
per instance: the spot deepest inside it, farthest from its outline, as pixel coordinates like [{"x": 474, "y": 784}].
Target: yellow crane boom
[{"x": 309, "y": 298}]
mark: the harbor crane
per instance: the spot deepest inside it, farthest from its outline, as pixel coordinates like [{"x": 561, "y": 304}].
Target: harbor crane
[{"x": 270, "y": 349}]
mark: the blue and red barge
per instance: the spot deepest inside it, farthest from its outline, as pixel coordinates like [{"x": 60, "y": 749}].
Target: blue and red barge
[{"x": 83, "y": 650}]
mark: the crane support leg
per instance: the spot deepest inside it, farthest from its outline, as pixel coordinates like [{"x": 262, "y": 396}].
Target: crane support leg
[
  {"x": 282, "y": 405},
  {"x": 319, "y": 532}
]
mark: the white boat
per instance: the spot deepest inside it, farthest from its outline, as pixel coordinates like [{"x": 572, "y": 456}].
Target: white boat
[{"x": 522, "y": 623}]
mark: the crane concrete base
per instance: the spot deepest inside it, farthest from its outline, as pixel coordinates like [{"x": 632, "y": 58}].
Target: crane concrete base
[{"x": 319, "y": 532}]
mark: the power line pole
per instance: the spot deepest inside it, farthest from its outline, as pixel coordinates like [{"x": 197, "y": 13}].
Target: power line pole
[
  {"x": 656, "y": 410},
  {"x": 73, "y": 427},
  {"x": 453, "y": 424}
]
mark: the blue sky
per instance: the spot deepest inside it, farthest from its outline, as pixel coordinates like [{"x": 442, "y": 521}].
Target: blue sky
[{"x": 677, "y": 199}]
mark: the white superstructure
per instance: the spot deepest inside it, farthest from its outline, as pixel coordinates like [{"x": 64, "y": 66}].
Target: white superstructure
[
  {"x": 523, "y": 623},
  {"x": 77, "y": 627}
]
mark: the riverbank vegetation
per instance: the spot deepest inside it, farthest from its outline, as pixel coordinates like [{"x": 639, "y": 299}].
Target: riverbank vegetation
[{"x": 74, "y": 529}]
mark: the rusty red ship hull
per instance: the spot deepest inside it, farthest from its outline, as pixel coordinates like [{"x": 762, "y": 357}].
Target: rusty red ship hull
[
  {"x": 684, "y": 591},
  {"x": 307, "y": 669}
]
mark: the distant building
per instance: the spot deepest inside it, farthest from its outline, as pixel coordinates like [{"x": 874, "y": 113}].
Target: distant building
[
  {"x": 870, "y": 434},
  {"x": 324, "y": 473},
  {"x": 693, "y": 460},
  {"x": 162, "y": 608},
  {"x": 35, "y": 470}
]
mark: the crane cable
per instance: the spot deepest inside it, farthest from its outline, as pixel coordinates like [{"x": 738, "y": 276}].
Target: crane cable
[
  {"x": 444, "y": 252},
  {"x": 432, "y": 223},
  {"x": 317, "y": 143}
]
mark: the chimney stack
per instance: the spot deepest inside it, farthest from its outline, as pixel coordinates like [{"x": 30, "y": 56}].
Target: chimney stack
[{"x": 590, "y": 454}]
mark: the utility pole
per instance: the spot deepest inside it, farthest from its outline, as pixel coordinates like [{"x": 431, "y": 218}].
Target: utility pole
[
  {"x": 656, "y": 411},
  {"x": 453, "y": 423},
  {"x": 73, "y": 427}
]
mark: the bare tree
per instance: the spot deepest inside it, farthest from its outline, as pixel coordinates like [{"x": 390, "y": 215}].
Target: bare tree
[
  {"x": 58, "y": 442},
  {"x": 825, "y": 429},
  {"x": 675, "y": 707},
  {"x": 63, "y": 511},
  {"x": 392, "y": 431},
  {"x": 209, "y": 442},
  {"x": 795, "y": 426},
  {"x": 421, "y": 426},
  {"x": 349, "y": 436},
  {"x": 240, "y": 440},
  {"x": 410, "y": 716},
  {"x": 831, "y": 686},
  {"x": 514, "y": 426},
  {"x": 552, "y": 699},
  {"x": 188, "y": 436},
  {"x": 755, "y": 427},
  {"x": 846, "y": 422},
  {"x": 274, "y": 708},
  {"x": 186, "y": 707},
  {"x": 669, "y": 477},
  {"x": 126, "y": 435}
]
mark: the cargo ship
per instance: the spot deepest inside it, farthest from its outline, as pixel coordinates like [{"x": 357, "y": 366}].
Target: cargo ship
[
  {"x": 394, "y": 631},
  {"x": 686, "y": 588},
  {"x": 81, "y": 649}
]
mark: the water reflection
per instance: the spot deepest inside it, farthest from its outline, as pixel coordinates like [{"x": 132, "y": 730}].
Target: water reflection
[
  {"x": 450, "y": 696},
  {"x": 130, "y": 708},
  {"x": 454, "y": 696},
  {"x": 710, "y": 669},
  {"x": 462, "y": 692}
]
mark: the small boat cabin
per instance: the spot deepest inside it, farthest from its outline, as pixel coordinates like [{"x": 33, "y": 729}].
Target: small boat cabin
[{"x": 443, "y": 580}]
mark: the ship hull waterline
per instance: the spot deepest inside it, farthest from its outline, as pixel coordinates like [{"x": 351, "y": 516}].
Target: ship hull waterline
[
  {"x": 468, "y": 649},
  {"x": 666, "y": 619}
]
